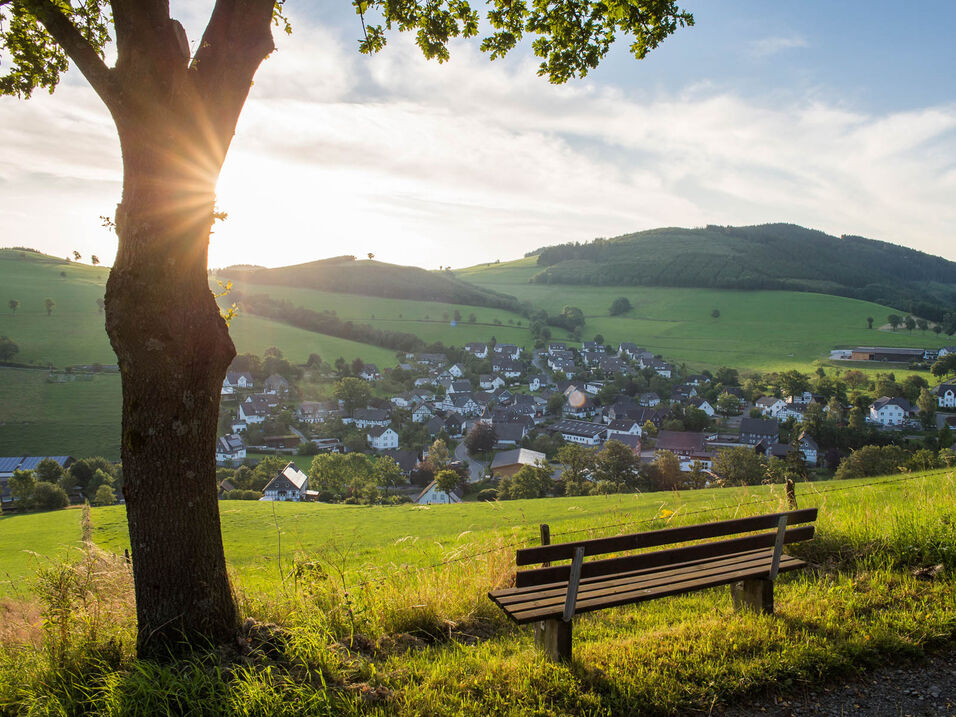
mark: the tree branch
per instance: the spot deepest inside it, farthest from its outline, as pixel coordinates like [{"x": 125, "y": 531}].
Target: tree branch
[
  {"x": 236, "y": 41},
  {"x": 75, "y": 45}
]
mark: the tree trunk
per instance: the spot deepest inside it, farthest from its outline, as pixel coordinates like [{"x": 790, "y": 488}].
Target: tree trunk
[{"x": 173, "y": 349}]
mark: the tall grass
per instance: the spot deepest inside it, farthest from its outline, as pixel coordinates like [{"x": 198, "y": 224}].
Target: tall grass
[{"x": 406, "y": 640}]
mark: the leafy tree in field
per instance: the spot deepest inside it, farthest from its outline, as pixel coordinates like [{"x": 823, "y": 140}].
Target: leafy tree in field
[
  {"x": 357, "y": 366},
  {"x": 94, "y": 260},
  {"x": 105, "y": 495},
  {"x": 616, "y": 464},
  {"x": 649, "y": 429},
  {"x": 728, "y": 404},
  {"x": 599, "y": 339},
  {"x": 739, "y": 466},
  {"x": 910, "y": 323},
  {"x": 14, "y": 305},
  {"x": 620, "y": 305},
  {"x": 100, "y": 304},
  {"x": 176, "y": 109},
  {"x": 49, "y": 471},
  {"x": 923, "y": 324},
  {"x": 856, "y": 421},
  {"x": 937, "y": 329},
  {"x": 869, "y": 322},
  {"x": 944, "y": 366},
  {"x": 387, "y": 473},
  {"x": 577, "y": 461},
  {"x": 727, "y": 376},
  {"x": 715, "y": 313},
  {"x": 8, "y": 349},
  {"x": 49, "y": 496},
  {"x": 438, "y": 455},
  {"x": 529, "y": 482},
  {"x": 945, "y": 437},
  {"x": 871, "y": 461},
  {"x": 927, "y": 407},
  {"x": 49, "y": 304},
  {"x": 668, "y": 474},
  {"x": 556, "y": 404},
  {"x": 480, "y": 438},
  {"x": 21, "y": 485},
  {"x": 793, "y": 382},
  {"x": 77, "y": 256},
  {"x": 447, "y": 481},
  {"x": 353, "y": 392},
  {"x": 894, "y": 321}
]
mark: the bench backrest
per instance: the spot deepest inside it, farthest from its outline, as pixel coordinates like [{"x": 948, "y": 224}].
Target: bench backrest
[{"x": 656, "y": 538}]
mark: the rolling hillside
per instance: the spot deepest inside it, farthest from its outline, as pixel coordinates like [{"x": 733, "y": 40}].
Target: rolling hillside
[
  {"x": 756, "y": 330},
  {"x": 771, "y": 256},
  {"x": 372, "y": 278}
]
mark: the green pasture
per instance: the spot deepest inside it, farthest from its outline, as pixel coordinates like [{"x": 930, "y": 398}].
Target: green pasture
[
  {"x": 429, "y": 320},
  {"x": 756, "y": 330},
  {"x": 365, "y": 540},
  {"x": 74, "y": 333},
  {"x": 77, "y": 418},
  {"x": 29, "y": 541},
  {"x": 367, "y": 633},
  {"x": 253, "y": 334}
]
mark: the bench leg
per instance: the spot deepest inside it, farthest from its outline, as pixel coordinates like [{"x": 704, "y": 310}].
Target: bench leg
[
  {"x": 554, "y": 638},
  {"x": 755, "y": 594}
]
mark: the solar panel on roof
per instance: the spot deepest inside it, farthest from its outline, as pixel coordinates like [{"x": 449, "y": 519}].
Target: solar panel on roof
[{"x": 8, "y": 464}]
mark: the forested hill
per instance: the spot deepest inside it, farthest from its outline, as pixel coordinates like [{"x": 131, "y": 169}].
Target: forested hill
[
  {"x": 347, "y": 275},
  {"x": 769, "y": 256}
]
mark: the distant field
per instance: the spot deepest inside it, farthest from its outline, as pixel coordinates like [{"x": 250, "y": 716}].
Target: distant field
[
  {"x": 757, "y": 330},
  {"x": 74, "y": 333},
  {"x": 430, "y": 321},
  {"x": 80, "y": 418},
  {"x": 253, "y": 334}
]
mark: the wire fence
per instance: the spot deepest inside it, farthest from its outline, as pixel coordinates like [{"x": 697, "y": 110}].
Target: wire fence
[{"x": 529, "y": 542}]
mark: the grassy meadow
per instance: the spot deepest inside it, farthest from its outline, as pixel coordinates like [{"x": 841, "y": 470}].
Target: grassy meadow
[
  {"x": 425, "y": 319},
  {"x": 78, "y": 418},
  {"x": 756, "y": 330},
  {"x": 429, "y": 642}
]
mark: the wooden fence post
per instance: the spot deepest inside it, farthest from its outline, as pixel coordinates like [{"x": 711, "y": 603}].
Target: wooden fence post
[
  {"x": 791, "y": 494},
  {"x": 545, "y": 540}
]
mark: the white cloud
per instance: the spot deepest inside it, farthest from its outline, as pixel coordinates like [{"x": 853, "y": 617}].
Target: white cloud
[
  {"x": 767, "y": 46},
  {"x": 470, "y": 161}
]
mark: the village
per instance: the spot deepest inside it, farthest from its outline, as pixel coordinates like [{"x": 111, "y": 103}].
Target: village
[{"x": 500, "y": 408}]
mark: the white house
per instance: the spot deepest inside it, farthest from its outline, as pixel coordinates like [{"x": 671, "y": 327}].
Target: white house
[
  {"x": 432, "y": 495},
  {"x": 809, "y": 448},
  {"x": 582, "y": 432},
  {"x": 536, "y": 382},
  {"x": 255, "y": 409},
  {"x": 422, "y": 414},
  {"x": 234, "y": 380},
  {"x": 890, "y": 411},
  {"x": 290, "y": 484},
  {"x": 946, "y": 351},
  {"x": 230, "y": 449},
  {"x": 770, "y": 405},
  {"x": 946, "y": 394},
  {"x": 365, "y": 417},
  {"x": 457, "y": 370},
  {"x": 509, "y": 350},
  {"x": 624, "y": 427},
  {"x": 648, "y": 399},
  {"x": 276, "y": 385},
  {"x": 478, "y": 350},
  {"x": 702, "y": 404},
  {"x": 381, "y": 438},
  {"x": 370, "y": 372}
]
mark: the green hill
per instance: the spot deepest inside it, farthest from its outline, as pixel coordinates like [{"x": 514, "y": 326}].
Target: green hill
[
  {"x": 345, "y": 274},
  {"x": 756, "y": 330},
  {"x": 770, "y": 256}
]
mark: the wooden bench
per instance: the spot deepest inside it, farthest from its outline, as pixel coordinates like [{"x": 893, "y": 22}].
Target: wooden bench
[{"x": 551, "y": 595}]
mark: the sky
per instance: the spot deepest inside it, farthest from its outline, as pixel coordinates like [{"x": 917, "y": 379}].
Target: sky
[{"x": 836, "y": 116}]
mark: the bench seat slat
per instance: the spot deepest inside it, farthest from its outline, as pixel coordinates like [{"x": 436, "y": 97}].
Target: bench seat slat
[
  {"x": 509, "y": 596},
  {"x": 534, "y": 600},
  {"x": 663, "y": 536},
  {"x": 660, "y": 558},
  {"x": 636, "y": 594}
]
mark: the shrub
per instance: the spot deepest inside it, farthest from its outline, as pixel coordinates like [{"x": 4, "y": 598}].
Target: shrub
[{"x": 49, "y": 496}]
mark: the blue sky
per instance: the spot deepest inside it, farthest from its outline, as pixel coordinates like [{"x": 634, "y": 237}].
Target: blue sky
[{"x": 837, "y": 116}]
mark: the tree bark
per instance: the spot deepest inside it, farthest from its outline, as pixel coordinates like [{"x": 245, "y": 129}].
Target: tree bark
[{"x": 173, "y": 349}]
